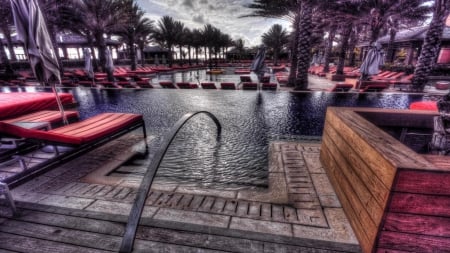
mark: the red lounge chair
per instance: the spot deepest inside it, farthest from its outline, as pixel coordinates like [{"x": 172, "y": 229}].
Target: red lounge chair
[
  {"x": 227, "y": 86},
  {"x": 167, "y": 85},
  {"x": 242, "y": 71},
  {"x": 81, "y": 136},
  {"x": 249, "y": 86},
  {"x": 15, "y": 104},
  {"x": 265, "y": 79},
  {"x": 89, "y": 131},
  {"x": 208, "y": 86},
  {"x": 269, "y": 86},
  {"x": 245, "y": 78}
]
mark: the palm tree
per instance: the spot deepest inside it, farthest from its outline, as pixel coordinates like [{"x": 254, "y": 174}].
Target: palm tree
[
  {"x": 275, "y": 39},
  {"x": 7, "y": 22},
  {"x": 197, "y": 42},
  {"x": 136, "y": 24},
  {"x": 179, "y": 38},
  {"x": 5, "y": 12},
  {"x": 96, "y": 19},
  {"x": 431, "y": 44},
  {"x": 239, "y": 46},
  {"x": 166, "y": 34}
]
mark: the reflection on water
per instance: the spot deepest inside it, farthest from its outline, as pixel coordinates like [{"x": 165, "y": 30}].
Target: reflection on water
[{"x": 250, "y": 120}]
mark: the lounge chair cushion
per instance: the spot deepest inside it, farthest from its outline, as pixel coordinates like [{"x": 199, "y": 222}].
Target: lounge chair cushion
[
  {"x": 19, "y": 103},
  {"x": 78, "y": 133},
  {"x": 44, "y": 116}
]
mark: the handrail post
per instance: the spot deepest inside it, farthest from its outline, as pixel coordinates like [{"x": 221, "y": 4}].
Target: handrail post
[{"x": 141, "y": 196}]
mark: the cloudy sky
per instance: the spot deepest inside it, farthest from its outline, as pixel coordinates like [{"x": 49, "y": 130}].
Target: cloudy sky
[{"x": 223, "y": 14}]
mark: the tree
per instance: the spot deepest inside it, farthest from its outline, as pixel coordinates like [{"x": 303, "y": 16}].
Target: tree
[
  {"x": 275, "y": 39},
  {"x": 166, "y": 35},
  {"x": 197, "y": 42},
  {"x": 5, "y": 12},
  {"x": 431, "y": 45},
  {"x": 97, "y": 19},
  {"x": 135, "y": 28}
]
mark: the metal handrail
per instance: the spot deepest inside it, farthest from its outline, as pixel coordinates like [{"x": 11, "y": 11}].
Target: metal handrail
[{"x": 138, "y": 206}]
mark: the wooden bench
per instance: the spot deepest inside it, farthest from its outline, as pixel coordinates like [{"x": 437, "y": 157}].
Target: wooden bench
[{"x": 395, "y": 199}]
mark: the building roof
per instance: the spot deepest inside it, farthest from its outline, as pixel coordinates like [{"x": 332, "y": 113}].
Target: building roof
[{"x": 414, "y": 34}]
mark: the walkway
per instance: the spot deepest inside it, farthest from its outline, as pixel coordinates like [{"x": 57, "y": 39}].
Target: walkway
[{"x": 82, "y": 205}]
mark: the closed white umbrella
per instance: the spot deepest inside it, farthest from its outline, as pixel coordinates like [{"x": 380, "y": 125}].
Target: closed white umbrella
[
  {"x": 258, "y": 63},
  {"x": 32, "y": 31},
  {"x": 373, "y": 60}
]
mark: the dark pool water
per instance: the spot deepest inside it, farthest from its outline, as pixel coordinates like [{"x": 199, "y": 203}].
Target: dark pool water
[{"x": 250, "y": 120}]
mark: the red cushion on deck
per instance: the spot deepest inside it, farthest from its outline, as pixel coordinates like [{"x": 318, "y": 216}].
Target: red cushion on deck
[
  {"x": 424, "y": 105},
  {"x": 19, "y": 103},
  {"x": 78, "y": 133}
]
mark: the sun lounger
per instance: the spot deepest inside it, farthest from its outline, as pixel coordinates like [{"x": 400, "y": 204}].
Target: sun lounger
[
  {"x": 208, "y": 86},
  {"x": 249, "y": 86},
  {"x": 245, "y": 79},
  {"x": 20, "y": 103},
  {"x": 88, "y": 131},
  {"x": 227, "y": 86},
  {"x": 81, "y": 136}
]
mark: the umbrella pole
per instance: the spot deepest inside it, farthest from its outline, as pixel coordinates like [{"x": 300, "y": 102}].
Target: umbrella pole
[{"x": 60, "y": 106}]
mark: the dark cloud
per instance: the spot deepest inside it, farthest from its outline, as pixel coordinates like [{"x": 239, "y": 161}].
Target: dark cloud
[
  {"x": 199, "y": 19},
  {"x": 203, "y": 1},
  {"x": 188, "y": 3}
]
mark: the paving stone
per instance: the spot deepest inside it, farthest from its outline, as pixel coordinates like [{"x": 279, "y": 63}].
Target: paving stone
[
  {"x": 185, "y": 202},
  {"x": 290, "y": 214},
  {"x": 268, "y": 227},
  {"x": 163, "y": 186},
  {"x": 207, "y": 204},
  {"x": 242, "y": 208},
  {"x": 94, "y": 190},
  {"x": 277, "y": 192},
  {"x": 254, "y": 209},
  {"x": 313, "y": 162},
  {"x": 174, "y": 200},
  {"x": 67, "y": 202},
  {"x": 123, "y": 193},
  {"x": 196, "y": 202},
  {"x": 266, "y": 211},
  {"x": 329, "y": 201},
  {"x": 277, "y": 213},
  {"x": 113, "y": 207},
  {"x": 307, "y": 205},
  {"x": 206, "y": 219},
  {"x": 230, "y": 207},
  {"x": 153, "y": 197},
  {"x": 297, "y": 188},
  {"x": 80, "y": 189},
  {"x": 29, "y": 197},
  {"x": 312, "y": 217},
  {"x": 339, "y": 231},
  {"x": 114, "y": 192},
  {"x": 32, "y": 184},
  {"x": 218, "y": 205},
  {"x": 104, "y": 191}
]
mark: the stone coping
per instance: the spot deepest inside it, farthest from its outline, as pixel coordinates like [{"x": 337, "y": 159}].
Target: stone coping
[{"x": 299, "y": 206}]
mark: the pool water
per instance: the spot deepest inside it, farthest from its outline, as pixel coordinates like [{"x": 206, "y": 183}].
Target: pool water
[{"x": 250, "y": 120}]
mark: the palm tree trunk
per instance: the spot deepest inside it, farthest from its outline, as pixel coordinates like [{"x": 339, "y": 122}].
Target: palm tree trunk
[
  {"x": 305, "y": 28},
  {"x": 327, "y": 53},
  {"x": 132, "y": 52},
  {"x": 431, "y": 45},
  {"x": 293, "y": 46},
  {"x": 9, "y": 72},
  {"x": 390, "y": 47},
  {"x": 344, "y": 48},
  {"x": 7, "y": 33}
]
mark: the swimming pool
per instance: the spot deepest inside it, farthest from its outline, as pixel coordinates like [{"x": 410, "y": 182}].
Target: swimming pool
[{"x": 250, "y": 120}]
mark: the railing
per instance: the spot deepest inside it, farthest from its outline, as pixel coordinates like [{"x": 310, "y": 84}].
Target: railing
[{"x": 138, "y": 206}]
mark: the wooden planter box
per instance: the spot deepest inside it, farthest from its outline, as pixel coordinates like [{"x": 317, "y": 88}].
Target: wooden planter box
[{"x": 395, "y": 198}]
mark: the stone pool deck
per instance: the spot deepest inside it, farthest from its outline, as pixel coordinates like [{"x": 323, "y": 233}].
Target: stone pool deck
[{"x": 82, "y": 206}]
